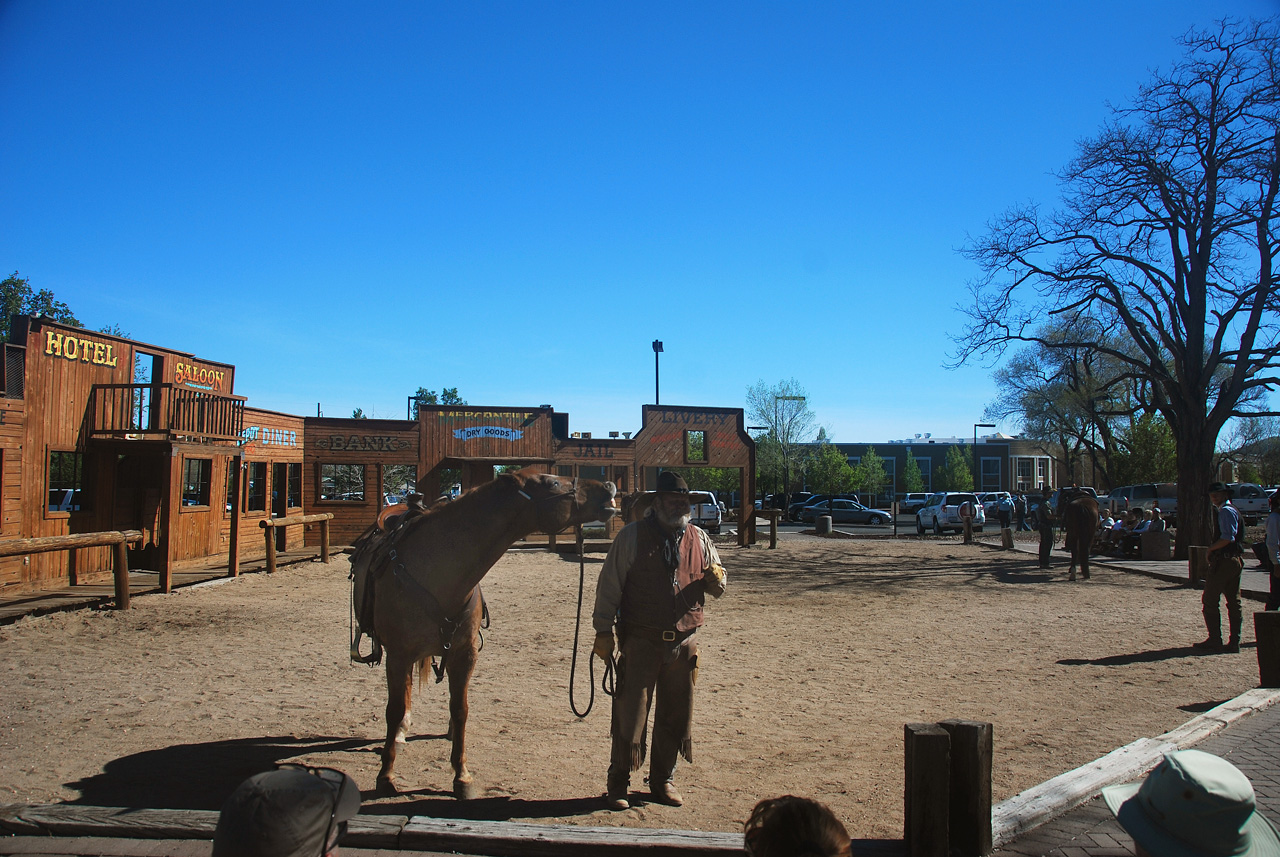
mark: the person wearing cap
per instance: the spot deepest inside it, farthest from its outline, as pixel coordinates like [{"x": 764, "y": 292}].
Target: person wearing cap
[
  {"x": 652, "y": 587},
  {"x": 1226, "y": 561},
  {"x": 1193, "y": 804},
  {"x": 295, "y": 811}
]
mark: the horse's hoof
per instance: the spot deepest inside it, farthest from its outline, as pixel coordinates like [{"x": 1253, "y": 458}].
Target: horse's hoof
[
  {"x": 388, "y": 785},
  {"x": 465, "y": 791}
]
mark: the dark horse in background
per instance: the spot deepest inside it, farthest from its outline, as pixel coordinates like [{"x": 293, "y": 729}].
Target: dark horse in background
[
  {"x": 1078, "y": 512},
  {"x": 417, "y": 587}
]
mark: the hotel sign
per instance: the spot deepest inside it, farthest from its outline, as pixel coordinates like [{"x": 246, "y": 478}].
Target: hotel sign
[{"x": 79, "y": 349}]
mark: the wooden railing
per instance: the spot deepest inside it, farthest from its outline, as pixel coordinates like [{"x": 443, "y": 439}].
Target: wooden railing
[
  {"x": 270, "y": 524},
  {"x": 116, "y": 539},
  {"x": 164, "y": 411}
]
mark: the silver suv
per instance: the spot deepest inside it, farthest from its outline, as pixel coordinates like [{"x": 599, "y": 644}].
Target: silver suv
[{"x": 942, "y": 512}]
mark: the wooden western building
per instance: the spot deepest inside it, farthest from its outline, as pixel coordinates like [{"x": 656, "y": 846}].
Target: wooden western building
[{"x": 100, "y": 433}]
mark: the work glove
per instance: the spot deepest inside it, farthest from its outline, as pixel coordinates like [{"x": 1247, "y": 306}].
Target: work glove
[
  {"x": 714, "y": 580},
  {"x": 603, "y": 648}
]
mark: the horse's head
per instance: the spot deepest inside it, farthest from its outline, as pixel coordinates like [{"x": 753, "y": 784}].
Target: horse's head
[{"x": 561, "y": 502}]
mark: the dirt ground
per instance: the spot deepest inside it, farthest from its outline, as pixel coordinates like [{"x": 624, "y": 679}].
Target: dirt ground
[{"x": 812, "y": 662}]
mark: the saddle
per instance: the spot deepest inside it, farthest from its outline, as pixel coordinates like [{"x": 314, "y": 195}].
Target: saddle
[
  {"x": 370, "y": 556},
  {"x": 373, "y": 555}
]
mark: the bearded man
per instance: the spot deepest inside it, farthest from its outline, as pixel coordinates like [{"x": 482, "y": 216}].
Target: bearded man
[{"x": 653, "y": 585}]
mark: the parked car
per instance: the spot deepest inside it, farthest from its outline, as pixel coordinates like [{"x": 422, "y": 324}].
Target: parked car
[
  {"x": 1249, "y": 499},
  {"x": 1142, "y": 496},
  {"x": 705, "y": 511},
  {"x": 912, "y": 503},
  {"x": 795, "y": 510},
  {"x": 942, "y": 513},
  {"x": 844, "y": 512}
]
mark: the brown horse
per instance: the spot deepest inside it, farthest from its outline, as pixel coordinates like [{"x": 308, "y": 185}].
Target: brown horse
[
  {"x": 425, "y": 576},
  {"x": 1079, "y": 514}
]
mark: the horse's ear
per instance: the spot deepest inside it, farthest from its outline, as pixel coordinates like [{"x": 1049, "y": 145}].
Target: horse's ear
[{"x": 510, "y": 477}]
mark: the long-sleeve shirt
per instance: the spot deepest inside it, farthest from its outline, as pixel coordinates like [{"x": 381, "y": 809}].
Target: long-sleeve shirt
[{"x": 613, "y": 574}]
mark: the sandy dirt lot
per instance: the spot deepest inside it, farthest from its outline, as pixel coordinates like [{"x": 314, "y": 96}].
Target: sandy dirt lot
[{"x": 812, "y": 662}]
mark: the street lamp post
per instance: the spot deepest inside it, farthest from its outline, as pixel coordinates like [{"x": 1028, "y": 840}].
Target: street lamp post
[
  {"x": 786, "y": 458},
  {"x": 657, "y": 349},
  {"x": 977, "y": 474}
]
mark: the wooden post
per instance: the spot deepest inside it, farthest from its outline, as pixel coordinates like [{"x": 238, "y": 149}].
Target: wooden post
[
  {"x": 927, "y": 793},
  {"x": 969, "y": 818},
  {"x": 121, "y": 574},
  {"x": 823, "y": 526},
  {"x": 324, "y": 539},
  {"x": 1266, "y": 628},
  {"x": 233, "y": 552},
  {"x": 271, "y": 546},
  {"x": 1006, "y": 538},
  {"x": 1197, "y": 562}
]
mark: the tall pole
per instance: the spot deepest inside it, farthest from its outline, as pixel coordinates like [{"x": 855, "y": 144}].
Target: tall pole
[{"x": 657, "y": 349}]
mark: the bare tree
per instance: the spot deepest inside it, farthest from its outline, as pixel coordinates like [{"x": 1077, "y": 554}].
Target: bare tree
[
  {"x": 1167, "y": 229},
  {"x": 784, "y": 409}
]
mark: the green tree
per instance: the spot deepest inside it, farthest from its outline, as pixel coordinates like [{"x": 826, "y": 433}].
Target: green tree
[
  {"x": 912, "y": 478},
  {"x": 358, "y": 414},
  {"x": 829, "y": 471},
  {"x": 1148, "y": 452},
  {"x": 784, "y": 410},
  {"x": 870, "y": 476},
  {"x": 954, "y": 474},
  {"x": 18, "y": 298},
  {"x": 447, "y": 396},
  {"x": 1169, "y": 230}
]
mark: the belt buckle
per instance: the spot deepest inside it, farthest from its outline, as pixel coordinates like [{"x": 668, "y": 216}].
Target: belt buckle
[{"x": 668, "y": 636}]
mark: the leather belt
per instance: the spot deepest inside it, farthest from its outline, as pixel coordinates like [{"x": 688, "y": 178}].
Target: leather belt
[{"x": 656, "y": 635}]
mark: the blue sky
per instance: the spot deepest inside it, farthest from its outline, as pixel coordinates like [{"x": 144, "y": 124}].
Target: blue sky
[{"x": 348, "y": 201}]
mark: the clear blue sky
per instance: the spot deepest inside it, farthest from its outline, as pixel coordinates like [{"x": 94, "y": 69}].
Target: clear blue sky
[{"x": 351, "y": 200}]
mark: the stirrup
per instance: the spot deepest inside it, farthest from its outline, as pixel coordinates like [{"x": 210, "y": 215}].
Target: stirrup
[{"x": 375, "y": 654}]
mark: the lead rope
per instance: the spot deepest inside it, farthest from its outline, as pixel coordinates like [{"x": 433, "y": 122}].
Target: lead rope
[{"x": 606, "y": 680}]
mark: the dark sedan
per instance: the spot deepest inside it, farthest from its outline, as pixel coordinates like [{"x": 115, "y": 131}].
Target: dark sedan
[{"x": 845, "y": 512}]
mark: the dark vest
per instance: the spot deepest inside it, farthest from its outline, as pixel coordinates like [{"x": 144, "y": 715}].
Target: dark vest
[{"x": 657, "y": 592}]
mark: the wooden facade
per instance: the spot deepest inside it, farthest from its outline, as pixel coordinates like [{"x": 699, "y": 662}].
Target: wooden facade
[
  {"x": 347, "y": 467},
  {"x": 103, "y": 433},
  {"x": 100, "y": 433}
]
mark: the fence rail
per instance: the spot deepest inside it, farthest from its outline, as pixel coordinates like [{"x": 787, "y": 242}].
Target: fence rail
[
  {"x": 119, "y": 539},
  {"x": 270, "y": 524}
]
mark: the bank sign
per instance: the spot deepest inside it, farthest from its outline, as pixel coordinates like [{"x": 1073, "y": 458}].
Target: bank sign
[{"x": 499, "y": 432}]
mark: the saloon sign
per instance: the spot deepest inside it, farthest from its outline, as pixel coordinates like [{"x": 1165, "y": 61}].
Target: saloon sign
[{"x": 195, "y": 375}]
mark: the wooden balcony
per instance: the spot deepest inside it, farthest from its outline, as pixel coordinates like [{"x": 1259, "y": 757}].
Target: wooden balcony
[{"x": 163, "y": 412}]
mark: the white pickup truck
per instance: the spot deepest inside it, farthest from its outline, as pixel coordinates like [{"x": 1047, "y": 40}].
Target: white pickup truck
[{"x": 1250, "y": 500}]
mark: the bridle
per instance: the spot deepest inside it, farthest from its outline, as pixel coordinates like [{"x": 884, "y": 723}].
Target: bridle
[{"x": 572, "y": 494}]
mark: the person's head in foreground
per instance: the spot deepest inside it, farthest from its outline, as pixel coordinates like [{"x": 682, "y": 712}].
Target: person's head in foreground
[
  {"x": 1194, "y": 804},
  {"x": 296, "y": 811},
  {"x": 791, "y": 826}
]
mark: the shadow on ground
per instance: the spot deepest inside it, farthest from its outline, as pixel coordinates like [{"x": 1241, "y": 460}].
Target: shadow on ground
[
  {"x": 198, "y": 776},
  {"x": 1146, "y": 657}
]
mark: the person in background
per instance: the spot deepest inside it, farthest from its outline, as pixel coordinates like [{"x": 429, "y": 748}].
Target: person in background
[
  {"x": 295, "y": 811},
  {"x": 1273, "y": 550},
  {"x": 1223, "y": 579},
  {"x": 788, "y": 826},
  {"x": 1193, "y": 804},
  {"x": 1020, "y": 511},
  {"x": 1044, "y": 521}
]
